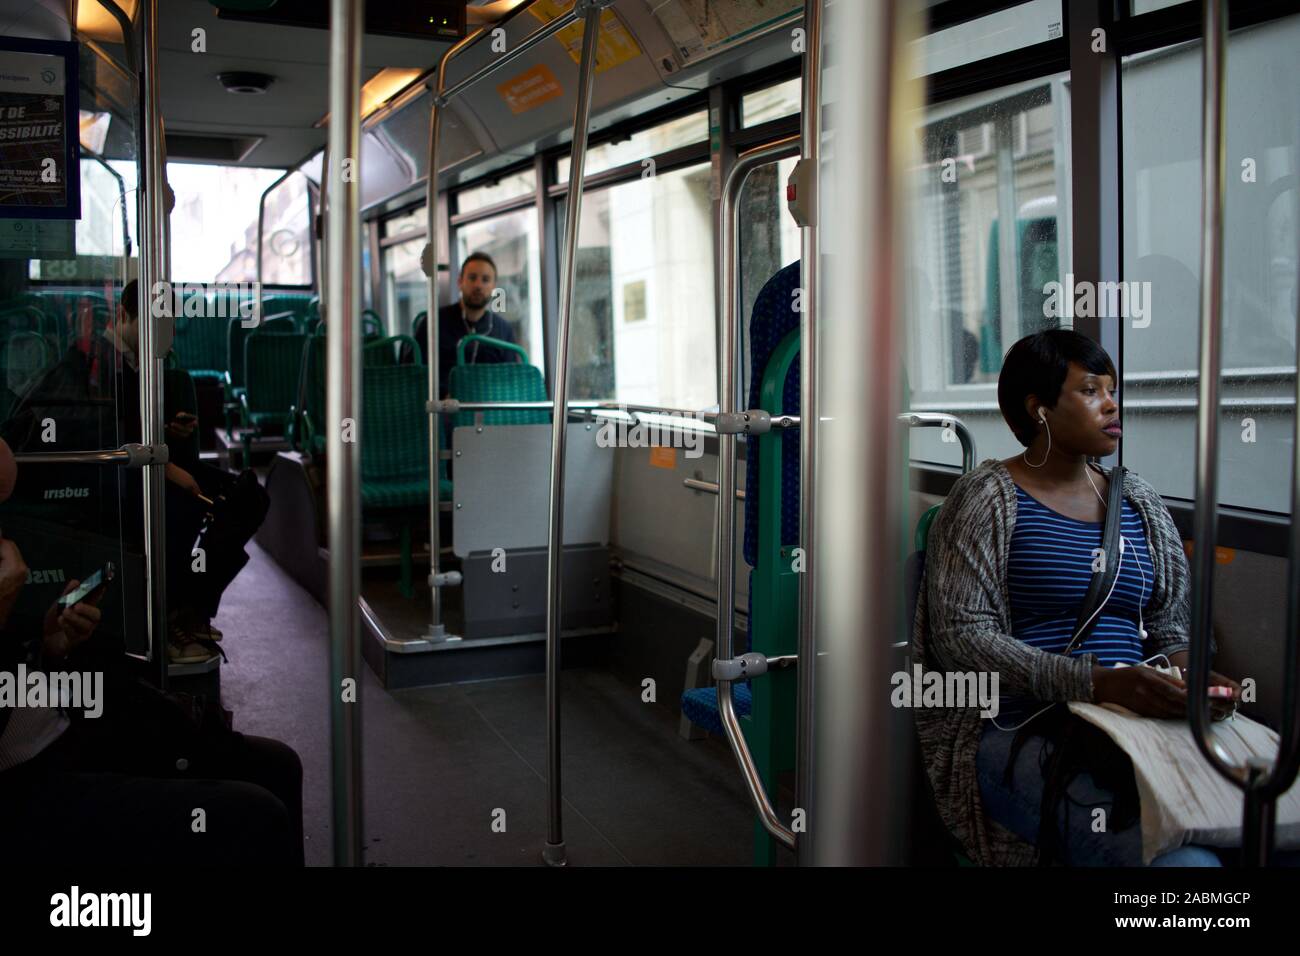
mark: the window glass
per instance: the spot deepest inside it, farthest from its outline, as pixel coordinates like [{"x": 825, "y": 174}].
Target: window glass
[
  {"x": 511, "y": 240},
  {"x": 1162, "y": 258},
  {"x": 406, "y": 291},
  {"x": 214, "y": 224},
  {"x": 771, "y": 102},
  {"x": 102, "y": 233},
  {"x": 413, "y": 220},
  {"x": 1020, "y": 25},
  {"x": 769, "y": 241},
  {"x": 286, "y": 234},
  {"x": 522, "y": 183},
  {"x": 972, "y": 289},
  {"x": 683, "y": 131},
  {"x": 1140, "y": 7},
  {"x": 644, "y": 327}
]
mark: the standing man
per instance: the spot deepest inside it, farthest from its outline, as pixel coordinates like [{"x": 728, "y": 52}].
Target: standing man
[{"x": 469, "y": 316}]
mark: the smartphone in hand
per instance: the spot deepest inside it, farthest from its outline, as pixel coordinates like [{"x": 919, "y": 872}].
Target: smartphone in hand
[{"x": 97, "y": 581}]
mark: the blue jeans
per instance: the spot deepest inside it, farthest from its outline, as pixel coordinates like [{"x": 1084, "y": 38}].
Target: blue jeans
[{"x": 1017, "y": 808}]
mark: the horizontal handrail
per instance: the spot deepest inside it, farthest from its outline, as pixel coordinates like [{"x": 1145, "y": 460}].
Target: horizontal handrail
[
  {"x": 132, "y": 455},
  {"x": 710, "y": 487},
  {"x": 940, "y": 420},
  {"x": 568, "y": 18}
]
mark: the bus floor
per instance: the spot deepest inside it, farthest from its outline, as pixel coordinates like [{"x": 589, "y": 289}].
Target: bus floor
[{"x": 455, "y": 774}]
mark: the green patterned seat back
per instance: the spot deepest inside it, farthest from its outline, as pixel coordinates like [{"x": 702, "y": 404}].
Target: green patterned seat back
[
  {"x": 394, "y": 437},
  {"x": 298, "y": 303},
  {"x": 499, "y": 382},
  {"x": 238, "y": 335},
  {"x": 200, "y": 340},
  {"x": 271, "y": 363}
]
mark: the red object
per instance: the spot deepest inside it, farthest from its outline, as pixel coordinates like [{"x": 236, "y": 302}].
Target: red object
[{"x": 790, "y": 192}]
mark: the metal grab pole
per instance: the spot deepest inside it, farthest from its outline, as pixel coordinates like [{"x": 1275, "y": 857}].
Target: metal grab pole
[
  {"x": 859, "y": 528},
  {"x": 554, "y": 852},
  {"x": 152, "y": 210},
  {"x": 729, "y": 268},
  {"x": 437, "y": 631},
  {"x": 1261, "y": 787},
  {"x": 810, "y": 131},
  {"x": 940, "y": 420},
  {"x": 343, "y": 425}
]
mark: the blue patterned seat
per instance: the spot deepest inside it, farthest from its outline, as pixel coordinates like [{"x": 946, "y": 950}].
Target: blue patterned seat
[{"x": 774, "y": 316}]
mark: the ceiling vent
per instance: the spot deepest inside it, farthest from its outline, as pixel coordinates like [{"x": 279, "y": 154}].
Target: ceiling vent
[{"x": 244, "y": 82}]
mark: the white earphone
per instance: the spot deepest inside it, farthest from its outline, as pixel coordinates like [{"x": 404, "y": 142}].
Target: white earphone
[{"x": 1042, "y": 417}]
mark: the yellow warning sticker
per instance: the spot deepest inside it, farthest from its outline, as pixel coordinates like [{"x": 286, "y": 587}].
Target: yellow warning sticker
[
  {"x": 663, "y": 456},
  {"x": 615, "y": 45},
  {"x": 530, "y": 89}
]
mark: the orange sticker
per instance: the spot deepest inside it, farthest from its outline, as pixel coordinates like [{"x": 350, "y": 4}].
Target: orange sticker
[
  {"x": 662, "y": 456},
  {"x": 1221, "y": 555},
  {"x": 530, "y": 89}
]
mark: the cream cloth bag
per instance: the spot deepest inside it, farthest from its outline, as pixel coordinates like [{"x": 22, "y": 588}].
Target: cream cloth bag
[{"x": 1184, "y": 799}]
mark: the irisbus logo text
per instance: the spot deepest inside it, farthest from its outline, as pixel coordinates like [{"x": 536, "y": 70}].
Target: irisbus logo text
[
  {"x": 214, "y": 300},
  {"x": 53, "y": 576},
  {"x": 51, "y": 493}
]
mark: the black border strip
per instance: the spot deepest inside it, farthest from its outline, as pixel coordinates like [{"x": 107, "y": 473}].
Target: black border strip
[{"x": 1181, "y": 23}]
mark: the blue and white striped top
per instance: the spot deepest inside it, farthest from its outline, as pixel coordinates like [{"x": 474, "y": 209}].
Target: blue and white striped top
[{"x": 1049, "y": 565}]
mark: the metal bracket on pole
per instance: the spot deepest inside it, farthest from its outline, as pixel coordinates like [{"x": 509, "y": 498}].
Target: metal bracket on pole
[
  {"x": 753, "y": 421},
  {"x": 445, "y": 579},
  {"x": 445, "y": 406},
  {"x": 139, "y": 456},
  {"x": 801, "y": 192},
  {"x": 751, "y": 664}
]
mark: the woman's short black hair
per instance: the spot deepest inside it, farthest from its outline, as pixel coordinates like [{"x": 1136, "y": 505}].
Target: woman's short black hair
[{"x": 1037, "y": 365}]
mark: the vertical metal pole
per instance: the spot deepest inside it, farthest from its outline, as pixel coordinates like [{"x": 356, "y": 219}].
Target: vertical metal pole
[
  {"x": 152, "y": 212},
  {"x": 554, "y": 852},
  {"x": 437, "y": 631},
  {"x": 805, "y": 740},
  {"x": 857, "y": 586},
  {"x": 343, "y": 409}
]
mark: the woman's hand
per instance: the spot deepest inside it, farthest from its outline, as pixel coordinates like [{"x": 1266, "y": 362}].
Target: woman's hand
[
  {"x": 1220, "y": 707},
  {"x": 1143, "y": 690},
  {"x": 66, "y": 628},
  {"x": 13, "y": 575}
]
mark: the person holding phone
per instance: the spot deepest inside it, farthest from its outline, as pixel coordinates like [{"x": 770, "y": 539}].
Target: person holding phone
[{"x": 81, "y": 790}]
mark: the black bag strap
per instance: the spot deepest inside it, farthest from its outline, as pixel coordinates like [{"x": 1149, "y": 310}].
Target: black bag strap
[{"x": 1102, "y": 580}]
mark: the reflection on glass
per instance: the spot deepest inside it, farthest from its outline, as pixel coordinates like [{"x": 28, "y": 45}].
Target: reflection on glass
[
  {"x": 406, "y": 290},
  {"x": 646, "y": 244},
  {"x": 683, "y": 131},
  {"x": 286, "y": 235},
  {"x": 411, "y": 221},
  {"x": 1162, "y": 248},
  {"x": 511, "y": 240},
  {"x": 522, "y": 183}
]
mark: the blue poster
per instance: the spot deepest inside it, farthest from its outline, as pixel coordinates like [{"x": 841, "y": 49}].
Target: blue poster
[{"x": 40, "y": 175}]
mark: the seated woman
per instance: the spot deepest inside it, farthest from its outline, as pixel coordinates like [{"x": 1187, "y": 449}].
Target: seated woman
[{"x": 1008, "y": 563}]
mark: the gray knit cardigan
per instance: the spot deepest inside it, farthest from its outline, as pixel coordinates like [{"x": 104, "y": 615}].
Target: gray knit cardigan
[{"x": 963, "y": 623}]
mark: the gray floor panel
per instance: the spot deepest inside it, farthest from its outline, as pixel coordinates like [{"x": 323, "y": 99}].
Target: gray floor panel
[{"x": 439, "y": 760}]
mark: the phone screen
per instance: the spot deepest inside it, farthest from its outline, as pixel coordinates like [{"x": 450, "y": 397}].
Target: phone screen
[{"x": 89, "y": 586}]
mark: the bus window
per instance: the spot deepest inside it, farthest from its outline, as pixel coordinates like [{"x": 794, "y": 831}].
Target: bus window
[
  {"x": 511, "y": 240},
  {"x": 771, "y": 102},
  {"x": 214, "y": 224},
  {"x": 769, "y": 241},
  {"x": 286, "y": 238},
  {"x": 682, "y": 131},
  {"x": 522, "y": 183},
  {"x": 1162, "y": 249},
  {"x": 644, "y": 329},
  {"x": 974, "y": 288}
]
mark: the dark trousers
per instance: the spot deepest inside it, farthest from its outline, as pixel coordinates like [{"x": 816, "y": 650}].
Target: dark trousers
[
  {"x": 91, "y": 798},
  {"x": 197, "y": 591}
]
